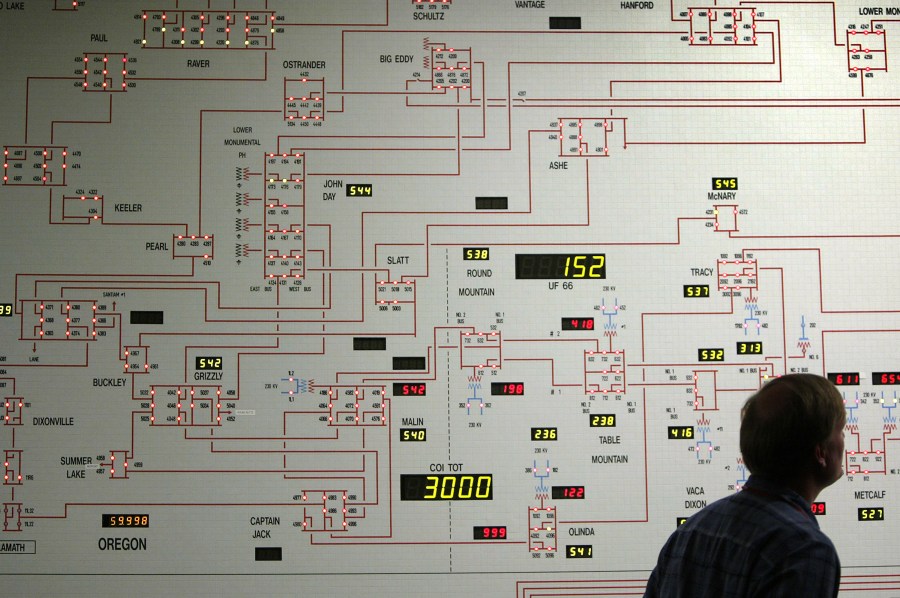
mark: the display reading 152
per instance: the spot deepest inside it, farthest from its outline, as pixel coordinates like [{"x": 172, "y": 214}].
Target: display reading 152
[
  {"x": 572, "y": 266},
  {"x": 723, "y": 183},
  {"x": 476, "y": 253}
]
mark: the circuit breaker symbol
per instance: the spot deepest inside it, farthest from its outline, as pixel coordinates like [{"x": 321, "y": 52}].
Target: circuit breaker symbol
[
  {"x": 721, "y": 26},
  {"x": 866, "y": 50},
  {"x": 208, "y": 29},
  {"x": 451, "y": 68},
  {"x": 34, "y": 165},
  {"x": 304, "y": 99}
]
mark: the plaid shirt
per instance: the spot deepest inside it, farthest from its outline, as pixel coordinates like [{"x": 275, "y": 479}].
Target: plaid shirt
[{"x": 763, "y": 541}]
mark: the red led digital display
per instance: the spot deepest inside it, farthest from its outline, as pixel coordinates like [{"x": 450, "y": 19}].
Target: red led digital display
[
  {"x": 890, "y": 378},
  {"x": 844, "y": 378},
  {"x": 406, "y": 389},
  {"x": 489, "y": 532},
  {"x": 577, "y": 324},
  {"x": 818, "y": 508},
  {"x": 567, "y": 492},
  {"x": 507, "y": 388}
]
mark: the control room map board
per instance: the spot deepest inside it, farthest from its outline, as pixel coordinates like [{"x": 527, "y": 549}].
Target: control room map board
[{"x": 414, "y": 297}]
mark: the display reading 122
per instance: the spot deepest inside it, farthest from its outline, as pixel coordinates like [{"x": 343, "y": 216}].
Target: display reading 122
[{"x": 570, "y": 266}]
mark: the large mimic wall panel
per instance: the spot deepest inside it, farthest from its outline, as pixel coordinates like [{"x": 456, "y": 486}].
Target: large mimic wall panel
[{"x": 448, "y": 298}]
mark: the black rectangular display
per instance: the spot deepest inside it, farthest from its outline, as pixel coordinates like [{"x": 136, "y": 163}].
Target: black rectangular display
[
  {"x": 569, "y": 266},
  {"x": 129, "y": 520},
  {"x": 725, "y": 183},
  {"x": 369, "y": 343},
  {"x": 409, "y": 363},
  {"x": 565, "y": 22},
  {"x": 446, "y": 486},
  {"x": 507, "y": 388},
  {"x": 577, "y": 324},
  {"x": 268, "y": 553},
  {"x": 695, "y": 290},
  {"x": 844, "y": 378},
  {"x": 413, "y": 434},
  {"x": 489, "y": 532},
  {"x": 491, "y": 203},
  {"x": 208, "y": 362},
  {"x": 749, "y": 348},
  {"x": 359, "y": 190},
  {"x": 410, "y": 389},
  {"x": 146, "y": 317},
  {"x": 6, "y": 310},
  {"x": 567, "y": 492},
  {"x": 888, "y": 378},
  {"x": 579, "y": 551}
]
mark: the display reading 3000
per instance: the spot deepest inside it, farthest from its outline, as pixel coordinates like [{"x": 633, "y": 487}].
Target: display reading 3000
[{"x": 448, "y": 486}]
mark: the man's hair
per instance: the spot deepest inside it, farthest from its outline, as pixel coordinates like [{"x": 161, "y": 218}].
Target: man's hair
[{"x": 785, "y": 420}]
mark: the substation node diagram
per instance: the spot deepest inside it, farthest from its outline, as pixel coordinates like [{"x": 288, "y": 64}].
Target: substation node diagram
[{"x": 433, "y": 295}]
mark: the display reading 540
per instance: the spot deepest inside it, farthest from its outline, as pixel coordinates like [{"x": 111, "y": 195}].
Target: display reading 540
[
  {"x": 446, "y": 486},
  {"x": 572, "y": 266}
]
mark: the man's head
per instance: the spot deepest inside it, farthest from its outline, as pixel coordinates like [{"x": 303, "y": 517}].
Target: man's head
[{"x": 792, "y": 427}]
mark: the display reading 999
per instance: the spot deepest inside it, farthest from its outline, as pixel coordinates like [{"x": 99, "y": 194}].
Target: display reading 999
[{"x": 569, "y": 266}]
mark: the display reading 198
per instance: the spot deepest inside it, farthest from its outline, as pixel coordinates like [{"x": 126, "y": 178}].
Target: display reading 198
[
  {"x": 410, "y": 389},
  {"x": 579, "y": 551},
  {"x": 507, "y": 388},
  {"x": 476, "y": 253},
  {"x": 208, "y": 363},
  {"x": 446, "y": 486},
  {"x": 870, "y": 514},
  {"x": 489, "y": 532},
  {"x": 844, "y": 378},
  {"x": 681, "y": 432},
  {"x": 567, "y": 492},
  {"x": 6, "y": 310},
  {"x": 125, "y": 520},
  {"x": 603, "y": 420},
  {"x": 543, "y": 434},
  {"x": 749, "y": 348},
  {"x": 412, "y": 434},
  {"x": 577, "y": 324},
  {"x": 696, "y": 290},
  {"x": 890, "y": 378},
  {"x": 710, "y": 354},
  {"x": 578, "y": 266}
]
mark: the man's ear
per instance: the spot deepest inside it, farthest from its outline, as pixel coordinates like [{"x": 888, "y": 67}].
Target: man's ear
[{"x": 820, "y": 454}]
